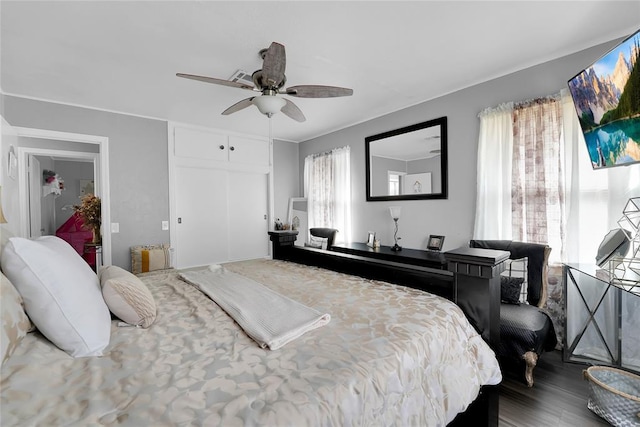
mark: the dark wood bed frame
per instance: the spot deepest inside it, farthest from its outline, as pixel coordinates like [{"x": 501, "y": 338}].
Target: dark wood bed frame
[{"x": 471, "y": 280}]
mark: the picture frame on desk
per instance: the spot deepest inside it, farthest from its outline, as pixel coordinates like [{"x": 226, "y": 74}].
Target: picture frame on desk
[
  {"x": 435, "y": 243},
  {"x": 371, "y": 237}
]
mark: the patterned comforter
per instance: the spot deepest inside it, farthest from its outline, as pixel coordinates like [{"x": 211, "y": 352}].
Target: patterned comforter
[{"x": 391, "y": 355}]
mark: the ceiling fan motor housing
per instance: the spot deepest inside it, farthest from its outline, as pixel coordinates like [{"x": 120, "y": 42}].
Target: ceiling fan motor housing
[{"x": 262, "y": 85}]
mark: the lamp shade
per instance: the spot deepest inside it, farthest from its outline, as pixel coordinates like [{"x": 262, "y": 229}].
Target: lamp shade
[
  {"x": 268, "y": 104},
  {"x": 395, "y": 211}
]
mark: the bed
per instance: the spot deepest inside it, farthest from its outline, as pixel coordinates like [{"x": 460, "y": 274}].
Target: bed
[{"x": 390, "y": 355}]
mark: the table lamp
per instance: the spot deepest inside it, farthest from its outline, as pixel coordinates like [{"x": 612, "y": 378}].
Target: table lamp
[{"x": 395, "y": 214}]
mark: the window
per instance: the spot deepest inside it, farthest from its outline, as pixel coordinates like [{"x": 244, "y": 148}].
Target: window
[
  {"x": 327, "y": 184},
  {"x": 536, "y": 183},
  {"x": 394, "y": 182}
]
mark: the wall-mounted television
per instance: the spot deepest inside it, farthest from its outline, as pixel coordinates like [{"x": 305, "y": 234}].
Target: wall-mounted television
[{"x": 607, "y": 99}]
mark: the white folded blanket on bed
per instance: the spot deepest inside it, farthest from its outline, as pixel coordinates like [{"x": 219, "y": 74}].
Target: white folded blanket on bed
[{"x": 269, "y": 318}]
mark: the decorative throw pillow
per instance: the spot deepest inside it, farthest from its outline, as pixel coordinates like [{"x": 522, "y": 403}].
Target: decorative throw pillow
[
  {"x": 127, "y": 297},
  {"x": 147, "y": 258},
  {"x": 61, "y": 293},
  {"x": 318, "y": 242},
  {"x": 515, "y": 269},
  {"x": 510, "y": 288},
  {"x": 15, "y": 323}
]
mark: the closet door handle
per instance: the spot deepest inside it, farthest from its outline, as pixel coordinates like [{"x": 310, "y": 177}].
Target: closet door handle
[
  {"x": 232, "y": 148},
  {"x": 222, "y": 147}
]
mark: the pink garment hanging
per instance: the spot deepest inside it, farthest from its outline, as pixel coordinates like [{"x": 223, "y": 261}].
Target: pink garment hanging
[{"x": 74, "y": 233}]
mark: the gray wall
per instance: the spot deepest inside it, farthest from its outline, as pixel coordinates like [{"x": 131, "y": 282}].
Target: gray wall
[
  {"x": 138, "y": 163},
  {"x": 454, "y": 216}
]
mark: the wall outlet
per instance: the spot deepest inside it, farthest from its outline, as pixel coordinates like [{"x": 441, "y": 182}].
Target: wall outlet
[
  {"x": 165, "y": 225},
  {"x": 115, "y": 227}
]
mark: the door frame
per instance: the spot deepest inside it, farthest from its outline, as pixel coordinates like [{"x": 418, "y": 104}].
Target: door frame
[
  {"x": 35, "y": 202},
  {"x": 100, "y": 172}
]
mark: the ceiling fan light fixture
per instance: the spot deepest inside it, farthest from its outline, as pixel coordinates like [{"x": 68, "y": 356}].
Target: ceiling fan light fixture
[{"x": 268, "y": 104}]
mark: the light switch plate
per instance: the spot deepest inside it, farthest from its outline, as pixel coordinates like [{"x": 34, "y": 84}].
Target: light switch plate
[
  {"x": 165, "y": 225},
  {"x": 115, "y": 227}
]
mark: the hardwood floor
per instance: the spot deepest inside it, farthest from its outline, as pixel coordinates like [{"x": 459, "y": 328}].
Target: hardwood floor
[{"x": 558, "y": 397}]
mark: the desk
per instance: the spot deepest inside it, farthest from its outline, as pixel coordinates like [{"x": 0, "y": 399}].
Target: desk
[
  {"x": 406, "y": 256},
  {"x": 600, "y": 319}
]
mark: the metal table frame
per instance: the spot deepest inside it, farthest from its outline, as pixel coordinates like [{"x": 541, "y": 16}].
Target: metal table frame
[{"x": 613, "y": 347}]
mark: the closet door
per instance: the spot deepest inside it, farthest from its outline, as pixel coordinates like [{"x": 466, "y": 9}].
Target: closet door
[
  {"x": 201, "y": 209},
  {"x": 248, "y": 213}
]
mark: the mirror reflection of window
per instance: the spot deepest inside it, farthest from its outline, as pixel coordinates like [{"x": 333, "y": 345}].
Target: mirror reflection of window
[{"x": 394, "y": 182}]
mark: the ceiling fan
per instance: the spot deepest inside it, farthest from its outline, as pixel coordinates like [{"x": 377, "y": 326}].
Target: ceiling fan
[{"x": 270, "y": 81}]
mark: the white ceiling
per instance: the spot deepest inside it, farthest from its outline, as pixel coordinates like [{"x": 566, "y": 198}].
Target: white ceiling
[{"x": 123, "y": 56}]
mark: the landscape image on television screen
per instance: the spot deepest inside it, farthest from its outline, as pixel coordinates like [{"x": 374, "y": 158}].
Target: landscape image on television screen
[{"x": 607, "y": 99}]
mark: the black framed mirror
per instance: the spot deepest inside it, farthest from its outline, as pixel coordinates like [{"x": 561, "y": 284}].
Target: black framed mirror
[{"x": 409, "y": 163}]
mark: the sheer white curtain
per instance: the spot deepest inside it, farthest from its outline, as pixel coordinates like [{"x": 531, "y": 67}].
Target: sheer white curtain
[
  {"x": 520, "y": 179},
  {"x": 495, "y": 150},
  {"x": 546, "y": 190},
  {"x": 327, "y": 187},
  {"x": 537, "y": 190}
]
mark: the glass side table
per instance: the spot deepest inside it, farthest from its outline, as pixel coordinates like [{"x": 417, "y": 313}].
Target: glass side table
[{"x": 601, "y": 318}]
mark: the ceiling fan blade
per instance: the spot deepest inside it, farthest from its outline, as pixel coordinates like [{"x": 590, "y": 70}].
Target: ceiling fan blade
[
  {"x": 241, "y": 105},
  {"x": 273, "y": 65},
  {"x": 317, "y": 91},
  {"x": 290, "y": 109},
  {"x": 215, "y": 81}
]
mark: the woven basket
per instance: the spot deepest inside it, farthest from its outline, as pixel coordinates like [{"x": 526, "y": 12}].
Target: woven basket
[{"x": 614, "y": 395}]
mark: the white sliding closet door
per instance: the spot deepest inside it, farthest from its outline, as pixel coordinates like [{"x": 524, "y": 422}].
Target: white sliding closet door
[
  {"x": 221, "y": 198},
  {"x": 201, "y": 209},
  {"x": 248, "y": 216}
]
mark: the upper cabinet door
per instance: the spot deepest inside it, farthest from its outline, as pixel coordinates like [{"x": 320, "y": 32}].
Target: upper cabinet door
[
  {"x": 201, "y": 144},
  {"x": 206, "y": 145},
  {"x": 248, "y": 150}
]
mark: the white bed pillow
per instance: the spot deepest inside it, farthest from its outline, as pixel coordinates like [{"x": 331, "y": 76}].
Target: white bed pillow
[
  {"x": 127, "y": 296},
  {"x": 15, "y": 323},
  {"x": 61, "y": 293},
  {"x": 318, "y": 242}
]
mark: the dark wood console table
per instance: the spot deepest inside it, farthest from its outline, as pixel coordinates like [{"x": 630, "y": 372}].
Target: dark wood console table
[
  {"x": 406, "y": 256},
  {"x": 477, "y": 286},
  {"x": 470, "y": 277}
]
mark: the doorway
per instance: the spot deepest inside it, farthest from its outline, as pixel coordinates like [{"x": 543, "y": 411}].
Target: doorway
[
  {"x": 63, "y": 150},
  {"x": 55, "y": 185}
]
